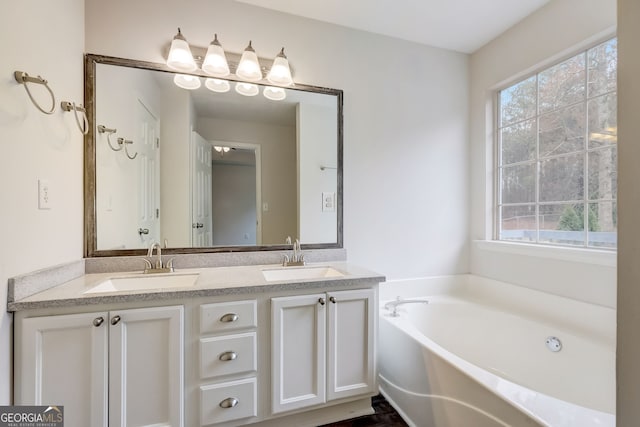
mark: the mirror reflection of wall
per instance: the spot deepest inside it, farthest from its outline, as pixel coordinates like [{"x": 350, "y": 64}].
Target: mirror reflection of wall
[{"x": 277, "y": 176}]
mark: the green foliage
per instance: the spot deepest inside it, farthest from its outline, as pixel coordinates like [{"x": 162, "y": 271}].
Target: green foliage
[{"x": 572, "y": 219}]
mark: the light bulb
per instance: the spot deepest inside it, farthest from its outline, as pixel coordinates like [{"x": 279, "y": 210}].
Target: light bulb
[
  {"x": 215, "y": 62},
  {"x": 274, "y": 93},
  {"x": 280, "y": 73},
  {"x": 186, "y": 81},
  {"x": 217, "y": 85},
  {"x": 249, "y": 67},
  {"x": 247, "y": 89},
  {"x": 180, "y": 57}
]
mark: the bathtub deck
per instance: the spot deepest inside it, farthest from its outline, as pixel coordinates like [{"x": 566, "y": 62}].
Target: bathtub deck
[{"x": 385, "y": 416}]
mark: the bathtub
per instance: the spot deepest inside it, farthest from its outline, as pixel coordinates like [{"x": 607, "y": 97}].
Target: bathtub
[{"x": 481, "y": 354}]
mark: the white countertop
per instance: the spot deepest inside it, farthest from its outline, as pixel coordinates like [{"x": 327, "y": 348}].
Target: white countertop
[{"x": 210, "y": 282}]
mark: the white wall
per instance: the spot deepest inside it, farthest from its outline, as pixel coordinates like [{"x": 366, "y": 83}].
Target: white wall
[
  {"x": 628, "y": 352},
  {"x": 278, "y": 169},
  {"x": 175, "y": 137},
  {"x": 313, "y": 128},
  {"x": 119, "y": 91},
  {"x": 554, "y": 31},
  {"x": 234, "y": 223},
  {"x": 45, "y": 38},
  {"x": 405, "y": 118}
]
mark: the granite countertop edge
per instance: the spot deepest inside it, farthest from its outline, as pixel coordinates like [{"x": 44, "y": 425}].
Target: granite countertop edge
[{"x": 70, "y": 294}]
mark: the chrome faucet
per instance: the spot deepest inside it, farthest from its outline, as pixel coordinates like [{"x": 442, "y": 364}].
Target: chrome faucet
[
  {"x": 157, "y": 267},
  {"x": 393, "y": 305},
  {"x": 297, "y": 257}
]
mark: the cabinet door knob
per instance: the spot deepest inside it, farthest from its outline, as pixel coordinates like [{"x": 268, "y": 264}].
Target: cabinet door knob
[
  {"x": 229, "y": 402},
  {"x": 332, "y": 299},
  {"x": 98, "y": 321},
  {"x": 229, "y": 317},
  {"x": 115, "y": 320},
  {"x": 321, "y": 301},
  {"x": 228, "y": 356}
]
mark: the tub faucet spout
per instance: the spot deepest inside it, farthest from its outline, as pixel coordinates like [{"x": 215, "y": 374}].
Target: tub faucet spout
[{"x": 393, "y": 305}]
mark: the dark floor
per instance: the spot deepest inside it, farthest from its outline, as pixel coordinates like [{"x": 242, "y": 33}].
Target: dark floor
[{"x": 385, "y": 416}]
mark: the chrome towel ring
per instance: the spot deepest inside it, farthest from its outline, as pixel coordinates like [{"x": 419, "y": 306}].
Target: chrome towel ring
[
  {"x": 23, "y": 78},
  {"x": 71, "y": 106},
  {"x": 109, "y": 132}
]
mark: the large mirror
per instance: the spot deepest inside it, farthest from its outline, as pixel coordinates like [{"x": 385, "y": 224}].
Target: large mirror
[{"x": 198, "y": 170}]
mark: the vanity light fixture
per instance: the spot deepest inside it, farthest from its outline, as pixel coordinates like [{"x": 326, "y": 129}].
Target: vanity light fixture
[
  {"x": 180, "y": 57},
  {"x": 249, "y": 67},
  {"x": 215, "y": 62},
  {"x": 280, "y": 73},
  {"x": 221, "y": 150},
  {"x": 186, "y": 81},
  {"x": 274, "y": 93},
  {"x": 247, "y": 89},
  {"x": 217, "y": 85}
]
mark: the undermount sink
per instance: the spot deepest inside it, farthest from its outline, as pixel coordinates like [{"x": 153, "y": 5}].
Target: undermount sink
[
  {"x": 300, "y": 273},
  {"x": 145, "y": 282}
]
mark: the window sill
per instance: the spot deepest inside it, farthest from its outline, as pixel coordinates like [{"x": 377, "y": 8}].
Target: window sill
[{"x": 587, "y": 256}]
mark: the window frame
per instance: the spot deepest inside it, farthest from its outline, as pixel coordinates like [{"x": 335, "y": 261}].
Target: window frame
[{"x": 538, "y": 159}]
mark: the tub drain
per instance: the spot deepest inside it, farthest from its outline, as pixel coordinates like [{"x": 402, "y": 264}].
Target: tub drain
[{"x": 554, "y": 344}]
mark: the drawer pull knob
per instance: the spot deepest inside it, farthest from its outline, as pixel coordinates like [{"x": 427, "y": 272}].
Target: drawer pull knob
[
  {"x": 229, "y": 317},
  {"x": 98, "y": 321},
  {"x": 228, "y": 356},
  {"x": 229, "y": 402},
  {"x": 115, "y": 320},
  {"x": 332, "y": 299},
  {"x": 321, "y": 301}
]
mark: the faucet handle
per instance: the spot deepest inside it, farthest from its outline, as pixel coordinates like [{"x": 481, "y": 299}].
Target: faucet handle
[
  {"x": 169, "y": 264},
  {"x": 285, "y": 260},
  {"x": 148, "y": 265}
]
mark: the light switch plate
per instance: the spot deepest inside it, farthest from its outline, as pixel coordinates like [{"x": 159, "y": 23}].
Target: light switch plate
[
  {"x": 328, "y": 201},
  {"x": 44, "y": 194}
]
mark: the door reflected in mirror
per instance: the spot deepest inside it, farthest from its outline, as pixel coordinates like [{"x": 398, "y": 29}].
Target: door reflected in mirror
[{"x": 204, "y": 170}]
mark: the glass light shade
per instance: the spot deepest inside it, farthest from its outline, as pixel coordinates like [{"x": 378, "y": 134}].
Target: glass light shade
[
  {"x": 280, "y": 73},
  {"x": 247, "y": 89},
  {"x": 274, "y": 93},
  {"x": 217, "y": 85},
  {"x": 186, "y": 81},
  {"x": 249, "y": 67},
  {"x": 215, "y": 61},
  {"x": 180, "y": 57},
  {"x": 220, "y": 149}
]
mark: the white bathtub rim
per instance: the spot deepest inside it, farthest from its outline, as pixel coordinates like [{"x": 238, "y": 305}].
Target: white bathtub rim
[
  {"x": 587, "y": 320},
  {"x": 547, "y": 410}
]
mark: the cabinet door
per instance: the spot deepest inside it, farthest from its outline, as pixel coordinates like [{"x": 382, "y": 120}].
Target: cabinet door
[
  {"x": 298, "y": 328},
  {"x": 146, "y": 367},
  {"x": 62, "y": 360},
  {"x": 351, "y": 343}
]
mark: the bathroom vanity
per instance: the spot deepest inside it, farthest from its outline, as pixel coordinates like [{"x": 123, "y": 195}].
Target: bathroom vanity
[{"x": 213, "y": 346}]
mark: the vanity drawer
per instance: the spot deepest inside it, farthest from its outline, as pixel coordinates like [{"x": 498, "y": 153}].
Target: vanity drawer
[
  {"x": 229, "y": 354},
  {"x": 228, "y": 401},
  {"x": 227, "y": 316}
]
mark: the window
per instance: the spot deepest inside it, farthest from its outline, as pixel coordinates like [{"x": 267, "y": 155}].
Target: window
[{"x": 557, "y": 157}]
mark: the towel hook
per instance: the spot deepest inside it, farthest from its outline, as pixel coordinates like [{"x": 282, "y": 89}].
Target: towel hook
[
  {"x": 69, "y": 106},
  {"x": 109, "y": 132},
  {"x": 124, "y": 143},
  {"x": 23, "y": 78}
]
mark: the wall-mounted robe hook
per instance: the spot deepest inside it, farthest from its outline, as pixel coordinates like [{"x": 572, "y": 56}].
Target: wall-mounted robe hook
[
  {"x": 124, "y": 143},
  {"x": 71, "y": 106},
  {"x": 109, "y": 132},
  {"x": 24, "y": 78}
]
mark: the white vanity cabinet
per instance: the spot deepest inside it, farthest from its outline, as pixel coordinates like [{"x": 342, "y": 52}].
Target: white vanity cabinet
[
  {"x": 116, "y": 368},
  {"x": 323, "y": 348}
]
